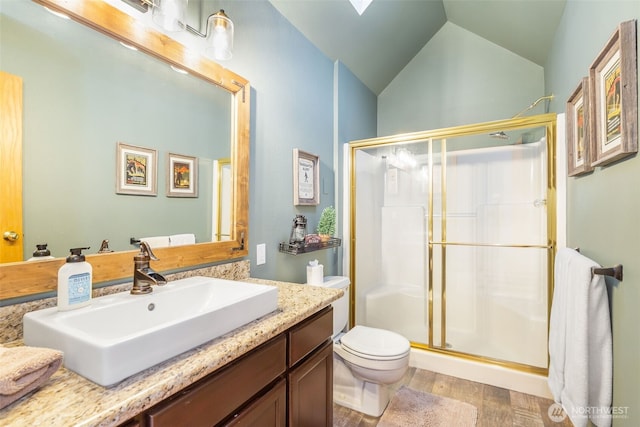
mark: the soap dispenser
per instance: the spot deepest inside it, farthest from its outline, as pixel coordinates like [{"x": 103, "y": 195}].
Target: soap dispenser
[
  {"x": 74, "y": 282},
  {"x": 41, "y": 253}
]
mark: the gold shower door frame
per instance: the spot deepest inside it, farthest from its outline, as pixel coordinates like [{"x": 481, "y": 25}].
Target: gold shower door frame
[{"x": 441, "y": 135}]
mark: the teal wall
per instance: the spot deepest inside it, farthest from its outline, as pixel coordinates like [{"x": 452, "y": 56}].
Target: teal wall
[
  {"x": 292, "y": 102},
  {"x": 356, "y": 111},
  {"x": 77, "y": 96},
  {"x": 301, "y": 99},
  {"x": 458, "y": 78},
  {"x": 603, "y": 207}
]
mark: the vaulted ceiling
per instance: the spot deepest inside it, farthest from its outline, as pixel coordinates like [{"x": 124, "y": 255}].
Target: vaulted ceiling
[{"x": 378, "y": 44}]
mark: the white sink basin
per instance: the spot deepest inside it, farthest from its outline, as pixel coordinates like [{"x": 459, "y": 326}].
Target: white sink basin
[{"x": 121, "y": 334}]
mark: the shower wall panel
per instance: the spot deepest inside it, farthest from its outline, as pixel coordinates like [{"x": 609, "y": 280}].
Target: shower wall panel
[{"x": 367, "y": 219}]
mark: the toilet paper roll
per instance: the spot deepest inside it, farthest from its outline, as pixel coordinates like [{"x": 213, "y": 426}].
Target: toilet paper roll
[{"x": 315, "y": 274}]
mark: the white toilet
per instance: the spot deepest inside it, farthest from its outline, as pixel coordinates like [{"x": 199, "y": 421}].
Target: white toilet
[{"x": 366, "y": 360}]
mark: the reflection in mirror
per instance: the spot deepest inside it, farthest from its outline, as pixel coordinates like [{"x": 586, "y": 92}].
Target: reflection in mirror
[
  {"x": 95, "y": 94},
  {"x": 22, "y": 280},
  {"x": 222, "y": 200}
]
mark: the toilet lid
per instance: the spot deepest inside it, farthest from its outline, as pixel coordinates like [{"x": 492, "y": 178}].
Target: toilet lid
[{"x": 375, "y": 342}]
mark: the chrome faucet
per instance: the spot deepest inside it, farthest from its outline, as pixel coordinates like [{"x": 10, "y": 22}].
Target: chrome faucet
[{"x": 143, "y": 275}]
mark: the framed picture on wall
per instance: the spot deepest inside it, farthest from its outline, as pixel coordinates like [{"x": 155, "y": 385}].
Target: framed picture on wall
[
  {"x": 136, "y": 169},
  {"x": 614, "y": 97},
  {"x": 578, "y": 130},
  {"x": 182, "y": 176},
  {"x": 306, "y": 178}
]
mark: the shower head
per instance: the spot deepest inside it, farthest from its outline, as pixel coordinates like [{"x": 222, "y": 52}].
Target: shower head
[
  {"x": 536, "y": 102},
  {"x": 499, "y": 134}
]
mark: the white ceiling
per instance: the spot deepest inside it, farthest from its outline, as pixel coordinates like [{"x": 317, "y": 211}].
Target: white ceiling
[{"x": 379, "y": 44}]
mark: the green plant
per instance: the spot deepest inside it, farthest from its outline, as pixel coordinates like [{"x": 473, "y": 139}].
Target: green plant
[{"x": 327, "y": 223}]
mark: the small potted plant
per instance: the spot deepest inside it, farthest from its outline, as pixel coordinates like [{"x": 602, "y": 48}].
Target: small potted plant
[{"x": 327, "y": 223}]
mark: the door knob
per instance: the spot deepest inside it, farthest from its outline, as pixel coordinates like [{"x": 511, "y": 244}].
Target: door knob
[{"x": 10, "y": 236}]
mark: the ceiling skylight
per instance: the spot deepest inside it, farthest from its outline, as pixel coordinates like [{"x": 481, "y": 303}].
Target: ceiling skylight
[{"x": 360, "y": 5}]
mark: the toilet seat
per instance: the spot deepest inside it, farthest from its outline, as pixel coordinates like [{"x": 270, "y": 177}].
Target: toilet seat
[
  {"x": 375, "y": 349},
  {"x": 374, "y": 358},
  {"x": 375, "y": 344}
]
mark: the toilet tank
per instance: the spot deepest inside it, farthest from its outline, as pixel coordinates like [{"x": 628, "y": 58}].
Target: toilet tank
[{"x": 341, "y": 305}]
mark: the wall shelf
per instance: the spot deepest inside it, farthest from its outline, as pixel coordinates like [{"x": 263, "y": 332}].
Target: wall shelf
[{"x": 288, "y": 248}]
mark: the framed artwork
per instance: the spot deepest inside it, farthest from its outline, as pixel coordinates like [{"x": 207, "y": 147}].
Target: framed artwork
[
  {"x": 578, "y": 130},
  {"x": 306, "y": 178},
  {"x": 614, "y": 97},
  {"x": 136, "y": 169},
  {"x": 182, "y": 176}
]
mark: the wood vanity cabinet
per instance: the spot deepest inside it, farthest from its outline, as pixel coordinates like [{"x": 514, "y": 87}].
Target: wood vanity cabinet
[
  {"x": 311, "y": 390},
  {"x": 285, "y": 381},
  {"x": 268, "y": 410},
  {"x": 310, "y": 375}
]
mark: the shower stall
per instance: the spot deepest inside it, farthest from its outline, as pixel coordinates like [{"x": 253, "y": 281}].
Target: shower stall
[{"x": 452, "y": 238}]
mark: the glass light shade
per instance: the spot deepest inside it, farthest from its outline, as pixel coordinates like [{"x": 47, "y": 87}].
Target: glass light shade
[
  {"x": 220, "y": 37},
  {"x": 170, "y": 14}
]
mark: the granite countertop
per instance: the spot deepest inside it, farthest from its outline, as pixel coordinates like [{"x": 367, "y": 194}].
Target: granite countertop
[{"x": 68, "y": 399}]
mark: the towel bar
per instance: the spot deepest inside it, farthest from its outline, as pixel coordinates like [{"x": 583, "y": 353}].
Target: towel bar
[{"x": 615, "y": 271}]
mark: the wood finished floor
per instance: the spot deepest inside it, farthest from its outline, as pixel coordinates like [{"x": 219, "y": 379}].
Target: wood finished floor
[{"x": 497, "y": 407}]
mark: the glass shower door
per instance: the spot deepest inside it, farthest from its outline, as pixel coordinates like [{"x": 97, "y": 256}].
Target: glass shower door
[
  {"x": 451, "y": 243},
  {"x": 491, "y": 248},
  {"x": 390, "y": 214}
]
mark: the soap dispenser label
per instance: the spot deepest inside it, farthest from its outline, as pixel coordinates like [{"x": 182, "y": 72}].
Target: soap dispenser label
[{"x": 79, "y": 288}]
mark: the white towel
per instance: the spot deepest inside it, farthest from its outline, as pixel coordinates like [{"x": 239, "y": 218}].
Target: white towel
[
  {"x": 182, "y": 239},
  {"x": 156, "y": 241},
  {"x": 580, "y": 343}
]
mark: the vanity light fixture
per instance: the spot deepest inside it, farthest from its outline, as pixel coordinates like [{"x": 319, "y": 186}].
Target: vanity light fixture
[
  {"x": 220, "y": 34},
  {"x": 170, "y": 15}
]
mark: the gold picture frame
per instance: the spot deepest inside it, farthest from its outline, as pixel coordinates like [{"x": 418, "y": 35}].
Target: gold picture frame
[
  {"x": 136, "y": 170},
  {"x": 579, "y": 135},
  {"x": 614, "y": 97},
  {"x": 182, "y": 175},
  {"x": 306, "y": 178}
]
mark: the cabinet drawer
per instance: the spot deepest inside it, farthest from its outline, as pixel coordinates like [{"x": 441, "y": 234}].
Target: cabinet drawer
[
  {"x": 215, "y": 398},
  {"x": 309, "y": 334}
]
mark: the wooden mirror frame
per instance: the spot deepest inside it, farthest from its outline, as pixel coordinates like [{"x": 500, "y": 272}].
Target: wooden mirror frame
[{"x": 22, "y": 279}]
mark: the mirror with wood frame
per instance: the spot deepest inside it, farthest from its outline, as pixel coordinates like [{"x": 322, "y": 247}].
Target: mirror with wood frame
[{"x": 22, "y": 279}]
